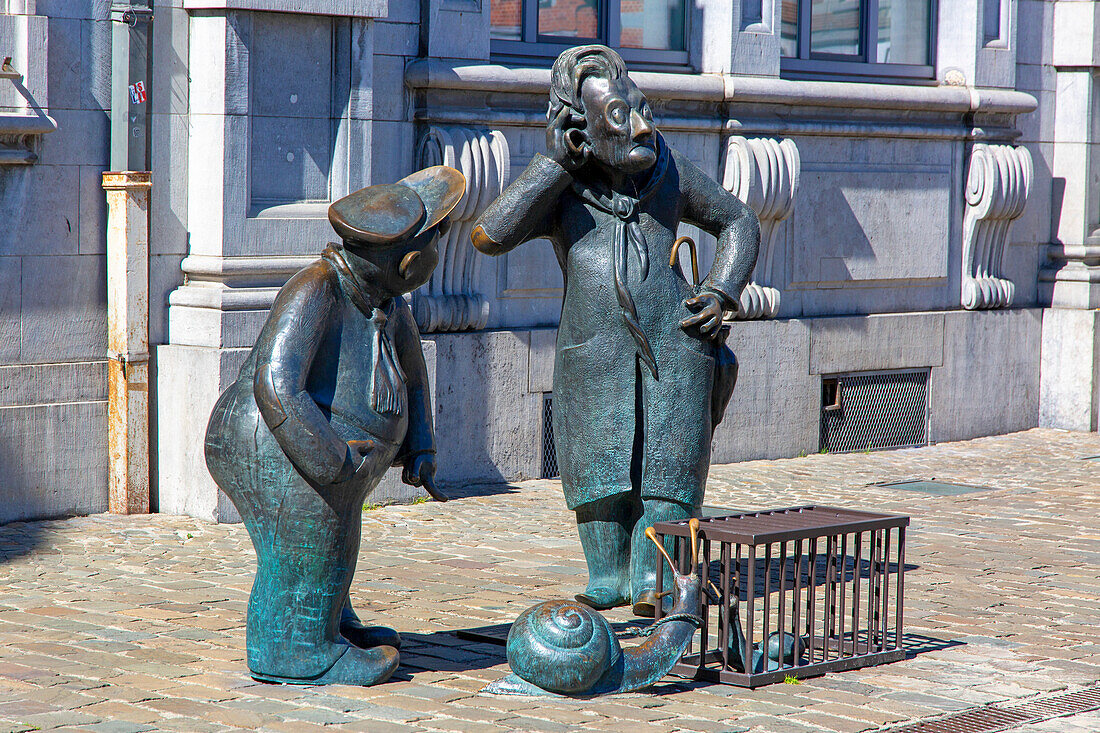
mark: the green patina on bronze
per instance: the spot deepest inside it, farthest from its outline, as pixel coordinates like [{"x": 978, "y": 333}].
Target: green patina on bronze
[
  {"x": 641, "y": 374},
  {"x": 333, "y": 393}
]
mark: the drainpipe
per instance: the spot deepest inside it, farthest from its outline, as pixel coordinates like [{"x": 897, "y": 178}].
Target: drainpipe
[{"x": 127, "y": 186}]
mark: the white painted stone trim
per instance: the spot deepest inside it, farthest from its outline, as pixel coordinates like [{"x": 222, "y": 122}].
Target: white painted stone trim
[
  {"x": 450, "y": 301},
  {"x": 763, "y": 173},
  {"x": 343, "y": 8},
  {"x": 997, "y": 186},
  {"x": 439, "y": 74}
]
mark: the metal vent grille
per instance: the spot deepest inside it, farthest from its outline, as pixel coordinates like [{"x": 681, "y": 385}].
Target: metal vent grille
[
  {"x": 549, "y": 451},
  {"x": 874, "y": 411},
  {"x": 1006, "y": 716}
]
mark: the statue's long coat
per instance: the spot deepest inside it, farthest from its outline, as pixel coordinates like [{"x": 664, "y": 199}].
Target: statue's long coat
[
  {"x": 274, "y": 444},
  {"x": 615, "y": 425}
]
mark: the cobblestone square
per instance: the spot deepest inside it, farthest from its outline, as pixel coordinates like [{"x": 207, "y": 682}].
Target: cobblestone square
[{"x": 128, "y": 624}]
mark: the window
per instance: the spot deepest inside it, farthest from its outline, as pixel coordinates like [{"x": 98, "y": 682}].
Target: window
[
  {"x": 642, "y": 31},
  {"x": 880, "y": 38}
]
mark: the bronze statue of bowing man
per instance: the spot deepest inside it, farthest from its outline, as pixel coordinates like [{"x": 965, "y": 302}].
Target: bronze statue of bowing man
[
  {"x": 641, "y": 372},
  {"x": 334, "y": 392}
]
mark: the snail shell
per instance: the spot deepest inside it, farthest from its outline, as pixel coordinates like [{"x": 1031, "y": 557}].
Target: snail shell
[{"x": 562, "y": 646}]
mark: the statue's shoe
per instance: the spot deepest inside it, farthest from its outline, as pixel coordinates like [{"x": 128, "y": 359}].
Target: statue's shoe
[
  {"x": 601, "y": 598},
  {"x": 368, "y": 637},
  {"x": 363, "y": 667},
  {"x": 645, "y": 604}
]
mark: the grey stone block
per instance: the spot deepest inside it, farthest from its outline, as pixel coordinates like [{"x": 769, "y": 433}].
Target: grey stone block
[
  {"x": 170, "y": 78},
  {"x": 396, "y": 39},
  {"x": 64, "y": 308},
  {"x": 290, "y": 160},
  {"x": 852, "y": 224},
  {"x": 540, "y": 366},
  {"x": 1035, "y": 30},
  {"x": 391, "y": 151},
  {"x": 96, "y": 55},
  {"x": 989, "y": 381},
  {"x": 390, "y": 93},
  {"x": 876, "y": 342},
  {"x": 775, "y": 408},
  {"x": 93, "y": 211},
  {"x": 54, "y": 460},
  {"x": 11, "y": 273},
  {"x": 1070, "y": 369},
  {"x": 189, "y": 381},
  {"x": 64, "y": 64},
  {"x": 486, "y": 424},
  {"x": 82, "y": 138},
  {"x": 165, "y": 276},
  {"x": 24, "y": 385},
  {"x": 168, "y": 196},
  {"x": 41, "y": 205},
  {"x": 290, "y": 65},
  {"x": 68, "y": 8}
]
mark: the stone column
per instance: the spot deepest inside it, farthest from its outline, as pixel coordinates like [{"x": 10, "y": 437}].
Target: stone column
[
  {"x": 128, "y": 341},
  {"x": 1069, "y": 394}
]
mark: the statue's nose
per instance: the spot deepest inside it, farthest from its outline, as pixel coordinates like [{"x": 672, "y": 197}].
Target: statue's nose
[{"x": 641, "y": 126}]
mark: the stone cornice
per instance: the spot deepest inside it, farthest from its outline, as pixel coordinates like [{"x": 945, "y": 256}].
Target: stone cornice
[
  {"x": 439, "y": 74},
  {"x": 342, "y": 8}
]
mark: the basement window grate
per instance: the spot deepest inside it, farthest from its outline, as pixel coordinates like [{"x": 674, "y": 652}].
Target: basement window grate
[
  {"x": 874, "y": 411},
  {"x": 549, "y": 450},
  {"x": 1008, "y": 716}
]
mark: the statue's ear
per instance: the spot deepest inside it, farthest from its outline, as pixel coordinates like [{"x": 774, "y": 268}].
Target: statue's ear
[{"x": 576, "y": 140}]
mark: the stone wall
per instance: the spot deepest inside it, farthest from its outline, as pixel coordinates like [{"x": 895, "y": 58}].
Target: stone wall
[{"x": 53, "y": 316}]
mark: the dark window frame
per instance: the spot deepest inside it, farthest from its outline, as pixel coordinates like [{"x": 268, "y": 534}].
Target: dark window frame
[
  {"x": 857, "y": 67},
  {"x": 534, "y": 47}
]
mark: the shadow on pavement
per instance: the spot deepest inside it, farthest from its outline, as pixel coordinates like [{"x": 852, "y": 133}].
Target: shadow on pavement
[
  {"x": 469, "y": 491},
  {"x": 20, "y": 538}
]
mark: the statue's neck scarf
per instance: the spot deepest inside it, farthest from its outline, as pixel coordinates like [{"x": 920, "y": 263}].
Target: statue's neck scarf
[
  {"x": 628, "y": 230},
  {"x": 387, "y": 379}
]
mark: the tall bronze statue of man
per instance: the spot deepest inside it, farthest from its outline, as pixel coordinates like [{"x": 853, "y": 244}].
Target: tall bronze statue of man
[{"x": 641, "y": 373}]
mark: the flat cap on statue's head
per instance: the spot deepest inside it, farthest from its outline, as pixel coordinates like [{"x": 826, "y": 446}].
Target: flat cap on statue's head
[{"x": 393, "y": 212}]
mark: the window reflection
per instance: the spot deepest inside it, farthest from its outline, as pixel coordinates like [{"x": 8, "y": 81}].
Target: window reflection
[
  {"x": 902, "y": 32},
  {"x": 834, "y": 27},
  {"x": 569, "y": 18},
  {"x": 788, "y": 29},
  {"x": 653, "y": 24},
  {"x": 506, "y": 19}
]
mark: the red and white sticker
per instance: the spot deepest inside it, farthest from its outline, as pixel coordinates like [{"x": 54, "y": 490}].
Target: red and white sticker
[{"x": 137, "y": 93}]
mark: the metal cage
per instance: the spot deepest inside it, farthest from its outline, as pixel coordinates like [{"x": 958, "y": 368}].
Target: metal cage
[{"x": 800, "y": 592}]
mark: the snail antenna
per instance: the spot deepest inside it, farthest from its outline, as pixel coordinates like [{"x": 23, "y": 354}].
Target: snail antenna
[
  {"x": 652, "y": 535},
  {"x": 693, "y": 527}
]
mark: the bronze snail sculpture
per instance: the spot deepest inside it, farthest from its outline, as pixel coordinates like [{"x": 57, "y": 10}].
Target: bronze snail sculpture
[{"x": 567, "y": 648}]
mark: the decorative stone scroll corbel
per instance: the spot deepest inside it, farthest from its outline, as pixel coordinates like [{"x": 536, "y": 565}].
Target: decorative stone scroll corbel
[
  {"x": 450, "y": 301},
  {"x": 763, "y": 173},
  {"x": 996, "y": 192}
]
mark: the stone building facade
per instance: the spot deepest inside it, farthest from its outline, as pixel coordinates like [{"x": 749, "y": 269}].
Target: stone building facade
[{"x": 928, "y": 187}]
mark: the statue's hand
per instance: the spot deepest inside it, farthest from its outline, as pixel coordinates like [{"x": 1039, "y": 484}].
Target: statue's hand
[
  {"x": 355, "y": 458},
  {"x": 566, "y": 146},
  {"x": 706, "y": 318},
  {"x": 420, "y": 471}
]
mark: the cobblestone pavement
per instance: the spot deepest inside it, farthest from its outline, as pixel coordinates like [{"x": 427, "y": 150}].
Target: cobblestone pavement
[{"x": 136, "y": 623}]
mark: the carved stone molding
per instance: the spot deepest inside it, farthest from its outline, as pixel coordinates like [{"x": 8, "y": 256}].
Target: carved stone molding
[
  {"x": 996, "y": 192},
  {"x": 450, "y": 301},
  {"x": 763, "y": 173}
]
